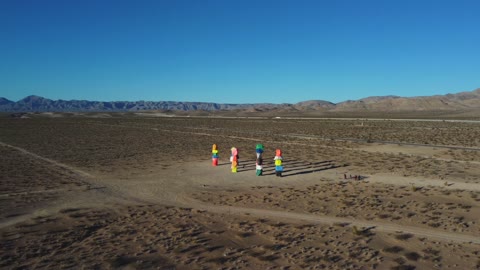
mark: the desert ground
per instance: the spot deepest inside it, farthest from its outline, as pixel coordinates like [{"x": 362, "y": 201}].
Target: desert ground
[{"x": 138, "y": 191}]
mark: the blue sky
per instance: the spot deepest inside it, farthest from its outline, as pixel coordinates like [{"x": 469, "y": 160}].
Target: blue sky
[{"x": 232, "y": 51}]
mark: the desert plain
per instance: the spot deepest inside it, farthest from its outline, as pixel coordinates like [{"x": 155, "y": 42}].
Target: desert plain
[{"x": 138, "y": 191}]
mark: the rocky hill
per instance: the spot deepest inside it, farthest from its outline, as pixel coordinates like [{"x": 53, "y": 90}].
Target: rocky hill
[
  {"x": 460, "y": 102},
  {"x": 450, "y": 102}
]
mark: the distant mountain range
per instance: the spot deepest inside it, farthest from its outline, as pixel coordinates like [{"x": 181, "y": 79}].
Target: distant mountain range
[
  {"x": 41, "y": 104},
  {"x": 464, "y": 101}
]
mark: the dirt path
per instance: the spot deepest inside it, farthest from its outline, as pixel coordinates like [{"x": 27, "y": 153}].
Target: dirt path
[
  {"x": 81, "y": 174},
  {"x": 171, "y": 187},
  {"x": 422, "y": 182},
  {"x": 95, "y": 192},
  {"x": 317, "y": 219},
  {"x": 305, "y": 136},
  {"x": 384, "y": 142},
  {"x": 373, "y": 146}
]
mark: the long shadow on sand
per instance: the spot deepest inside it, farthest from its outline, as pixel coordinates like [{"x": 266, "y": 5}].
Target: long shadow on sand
[
  {"x": 305, "y": 168},
  {"x": 297, "y": 167}
]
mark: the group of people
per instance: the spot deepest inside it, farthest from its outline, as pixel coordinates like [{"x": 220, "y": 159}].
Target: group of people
[{"x": 234, "y": 159}]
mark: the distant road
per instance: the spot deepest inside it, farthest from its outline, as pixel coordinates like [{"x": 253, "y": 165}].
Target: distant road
[
  {"x": 337, "y": 118},
  {"x": 388, "y": 119}
]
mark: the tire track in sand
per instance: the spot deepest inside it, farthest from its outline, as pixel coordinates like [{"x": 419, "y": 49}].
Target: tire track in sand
[
  {"x": 182, "y": 201},
  {"x": 317, "y": 219},
  {"x": 101, "y": 192},
  {"x": 312, "y": 144}
]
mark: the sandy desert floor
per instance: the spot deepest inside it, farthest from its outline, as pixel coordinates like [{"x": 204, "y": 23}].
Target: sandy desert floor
[{"x": 116, "y": 191}]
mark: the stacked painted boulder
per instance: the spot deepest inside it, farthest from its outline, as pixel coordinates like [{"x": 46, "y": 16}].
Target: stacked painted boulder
[
  {"x": 234, "y": 159},
  {"x": 259, "y": 163},
  {"x": 278, "y": 163},
  {"x": 214, "y": 155}
]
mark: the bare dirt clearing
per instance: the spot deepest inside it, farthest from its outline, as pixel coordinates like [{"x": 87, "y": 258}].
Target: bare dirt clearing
[{"x": 140, "y": 192}]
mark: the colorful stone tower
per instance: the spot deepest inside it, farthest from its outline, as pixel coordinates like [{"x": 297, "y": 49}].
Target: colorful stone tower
[
  {"x": 214, "y": 155},
  {"x": 278, "y": 163},
  {"x": 259, "y": 163},
  {"x": 234, "y": 159}
]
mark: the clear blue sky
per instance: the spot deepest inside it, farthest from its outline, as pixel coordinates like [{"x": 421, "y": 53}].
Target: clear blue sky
[{"x": 237, "y": 51}]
